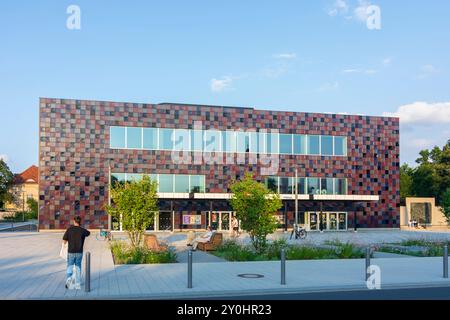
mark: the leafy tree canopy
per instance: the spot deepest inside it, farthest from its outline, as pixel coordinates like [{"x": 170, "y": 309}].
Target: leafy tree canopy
[
  {"x": 134, "y": 204},
  {"x": 255, "y": 206},
  {"x": 6, "y": 182},
  {"x": 431, "y": 178}
]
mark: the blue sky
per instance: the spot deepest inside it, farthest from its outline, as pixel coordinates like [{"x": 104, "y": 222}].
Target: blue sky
[{"x": 285, "y": 55}]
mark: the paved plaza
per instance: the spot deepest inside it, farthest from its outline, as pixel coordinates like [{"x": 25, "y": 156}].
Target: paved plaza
[{"x": 30, "y": 268}]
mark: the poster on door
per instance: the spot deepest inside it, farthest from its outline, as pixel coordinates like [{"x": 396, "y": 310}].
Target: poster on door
[{"x": 192, "y": 219}]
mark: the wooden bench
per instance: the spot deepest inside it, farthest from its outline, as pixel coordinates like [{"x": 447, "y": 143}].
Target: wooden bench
[
  {"x": 212, "y": 244},
  {"x": 152, "y": 243}
]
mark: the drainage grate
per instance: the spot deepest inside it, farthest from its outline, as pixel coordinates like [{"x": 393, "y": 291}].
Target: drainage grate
[{"x": 250, "y": 275}]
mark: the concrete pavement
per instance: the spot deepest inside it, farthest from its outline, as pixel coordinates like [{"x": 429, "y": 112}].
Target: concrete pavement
[{"x": 30, "y": 268}]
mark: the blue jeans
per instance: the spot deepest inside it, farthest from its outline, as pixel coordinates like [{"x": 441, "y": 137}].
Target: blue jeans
[{"x": 74, "y": 259}]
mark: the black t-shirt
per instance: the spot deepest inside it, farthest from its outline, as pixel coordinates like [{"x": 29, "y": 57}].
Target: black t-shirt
[{"x": 75, "y": 236}]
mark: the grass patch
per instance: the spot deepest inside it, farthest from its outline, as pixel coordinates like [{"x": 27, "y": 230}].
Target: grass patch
[
  {"x": 232, "y": 251},
  {"x": 126, "y": 254},
  {"x": 416, "y": 247}
]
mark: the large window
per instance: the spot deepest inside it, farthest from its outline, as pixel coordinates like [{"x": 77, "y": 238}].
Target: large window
[
  {"x": 314, "y": 145},
  {"x": 117, "y": 137},
  {"x": 150, "y": 138},
  {"x": 212, "y": 141},
  {"x": 326, "y": 146},
  {"x": 272, "y": 145},
  {"x": 197, "y": 184},
  {"x": 169, "y": 183},
  {"x": 340, "y": 186},
  {"x": 181, "y": 183},
  {"x": 196, "y": 140},
  {"x": 165, "y": 139},
  {"x": 313, "y": 185},
  {"x": 165, "y": 183},
  {"x": 340, "y": 146},
  {"x": 326, "y": 186},
  {"x": 134, "y": 138},
  {"x": 272, "y": 184},
  {"x": 229, "y": 141},
  {"x": 226, "y": 141},
  {"x": 181, "y": 140},
  {"x": 286, "y": 185},
  {"x": 254, "y": 142},
  {"x": 299, "y": 144},
  {"x": 286, "y": 143},
  {"x": 243, "y": 142},
  {"x": 301, "y": 185}
]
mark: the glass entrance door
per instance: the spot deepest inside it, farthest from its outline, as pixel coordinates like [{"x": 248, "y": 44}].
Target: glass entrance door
[
  {"x": 342, "y": 221},
  {"x": 332, "y": 222},
  {"x": 327, "y": 221},
  {"x": 225, "y": 221},
  {"x": 220, "y": 220},
  {"x": 313, "y": 224},
  {"x": 165, "y": 221}
]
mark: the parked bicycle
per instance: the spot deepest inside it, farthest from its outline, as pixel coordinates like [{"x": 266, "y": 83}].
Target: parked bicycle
[
  {"x": 300, "y": 233},
  {"x": 104, "y": 235}
]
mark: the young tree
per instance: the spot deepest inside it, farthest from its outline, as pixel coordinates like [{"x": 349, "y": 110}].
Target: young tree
[
  {"x": 6, "y": 182},
  {"x": 446, "y": 204},
  {"x": 134, "y": 204},
  {"x": 406, "y": 181},
  {"x": 255, "y": 206}
]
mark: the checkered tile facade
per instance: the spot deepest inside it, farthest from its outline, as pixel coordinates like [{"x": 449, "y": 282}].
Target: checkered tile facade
[{"x": 74, "y": 154}]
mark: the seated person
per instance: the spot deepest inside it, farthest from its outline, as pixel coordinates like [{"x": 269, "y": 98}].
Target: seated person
[{"x": 203, "y": 238}]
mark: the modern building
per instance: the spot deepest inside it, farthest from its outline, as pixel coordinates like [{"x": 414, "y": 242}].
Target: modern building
[
  {"x": 25, "y": 186},
  {"x": 347, "y": 165}
]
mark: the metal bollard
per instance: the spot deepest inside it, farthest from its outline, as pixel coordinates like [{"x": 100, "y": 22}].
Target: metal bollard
[
  {"x": 87, "y": 273},
  {"x": 446, "y": 261},
  {"x": 189, "y": 269},
  {"x": 283, "y": 266},
  {"x": 367, "y": 263}
]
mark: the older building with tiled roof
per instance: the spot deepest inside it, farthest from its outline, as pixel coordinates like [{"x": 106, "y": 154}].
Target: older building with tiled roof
[{"x": 26, "y": 185}]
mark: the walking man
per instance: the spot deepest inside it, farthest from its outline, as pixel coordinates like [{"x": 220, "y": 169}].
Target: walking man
[{"x": 75, "y": 236}]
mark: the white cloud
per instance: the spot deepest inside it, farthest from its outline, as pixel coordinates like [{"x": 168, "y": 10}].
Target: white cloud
[
  {"x": 386, "y": 62},
  {"x": 338, "y": 7},
  {"x": 359, "y": 70},
  {"x": 220, "y": 85},
  {"x": 426, "y": 71},
  {"x": 420, "y": 143},
  {"x": 360, "y": 12},
  {"x": 329, "y": 86},
  {"x": 285, "y": 56},
  {"x": 423, "y": 113},
  {"x": 4, "y": 157}
]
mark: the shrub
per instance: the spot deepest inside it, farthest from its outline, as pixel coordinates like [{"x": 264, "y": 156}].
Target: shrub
[
  {"x": 309, "y": 253},
  {"x": 126, "y": 254},
  {"x": 232, "y": 251},
  {"x": 273, "y": 250},
  {"x": 348, "y": 250}
]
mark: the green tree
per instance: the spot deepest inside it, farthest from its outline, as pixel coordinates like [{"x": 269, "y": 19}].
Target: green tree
[
  {"x": 406, "y": 181},
  {"x": 432, "y": 177},
  {"x": 32, "y": 208},
  {"x": 6, "y": 182},
  {"x": 446, "y": 204},
  {"x": 255, "y": 206},
  {"x": 134, "y": 204}
]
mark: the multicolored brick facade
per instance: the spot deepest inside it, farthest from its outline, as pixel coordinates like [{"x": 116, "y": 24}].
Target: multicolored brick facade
[{"x": 74, "y": 155}]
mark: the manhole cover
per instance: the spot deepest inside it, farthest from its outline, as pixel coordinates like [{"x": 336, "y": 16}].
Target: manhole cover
[{"x": 250, "y": 275}]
